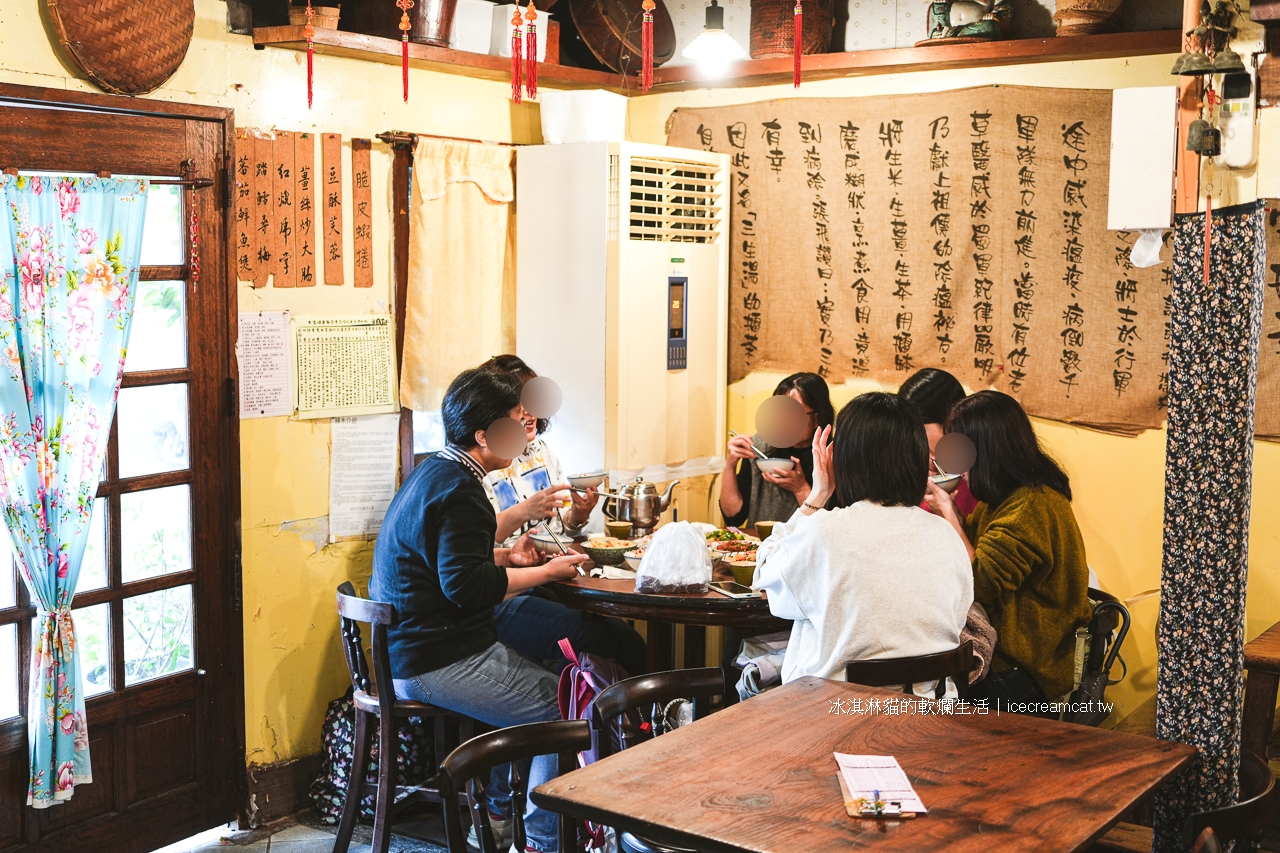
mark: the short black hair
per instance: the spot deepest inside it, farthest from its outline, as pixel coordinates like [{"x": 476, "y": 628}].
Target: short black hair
[
  {"x": 881, "y": 453},
  {"x": 475, "y": 399},
  {"x": 1009, "y": 454},
  {"x": 933, "y": 392},
  {"x": 515, "y": 365},
  {"x": 815, "y": 393}
]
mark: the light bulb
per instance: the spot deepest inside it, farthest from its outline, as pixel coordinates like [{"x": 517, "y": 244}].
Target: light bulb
[{"x": 714, "y": 50}]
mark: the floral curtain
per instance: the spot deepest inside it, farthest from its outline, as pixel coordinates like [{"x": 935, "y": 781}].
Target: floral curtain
[{"x": 69, "y": 252}]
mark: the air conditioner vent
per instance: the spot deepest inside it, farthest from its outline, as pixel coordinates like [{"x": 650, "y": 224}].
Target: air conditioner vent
[{"x": 674, "y": 201}]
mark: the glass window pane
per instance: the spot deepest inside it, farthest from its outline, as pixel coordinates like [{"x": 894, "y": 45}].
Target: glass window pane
[
  {"x": 157, "y": 634},
  {"x": 428, "y": 432},
  {"x": 8, "y": 671},
  {"x": 93, "y": 569},
  {"x": 162, "y": 231},
  {"x": 8, "y": 572},
  {"x": 158, "y": 336},
  {"x": 93, "y": 638},
  {"x": 153, "y": 429},
  {"x": 155, "y": 532}
]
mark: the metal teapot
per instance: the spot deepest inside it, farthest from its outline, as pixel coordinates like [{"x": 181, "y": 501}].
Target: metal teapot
[{"x": 647, "y": 505}]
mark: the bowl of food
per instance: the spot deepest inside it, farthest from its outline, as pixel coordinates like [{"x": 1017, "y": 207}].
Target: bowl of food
[
  {"x": 586, "y": 481},
  {"x": 607, "y": 551},
  {"x": 764, "y": 529},
  {"x": 773, "y": 466},
  {"x": 547, "y": 544},
  {"x": 633, "y": 558},
  {"x": 743, "y": 566},
  {"x": 946, "y": 482}
]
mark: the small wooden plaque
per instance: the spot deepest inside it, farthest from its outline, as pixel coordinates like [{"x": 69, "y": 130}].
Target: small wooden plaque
[
  {"x": 304, "y": 199},
  {"x": 331, "y": 207},
  {"x": 263, "y": 210},
  {"x": 243, "y": 188},
  {"x": 362, "y": 211},
  {"x": 282, "y": 188}
]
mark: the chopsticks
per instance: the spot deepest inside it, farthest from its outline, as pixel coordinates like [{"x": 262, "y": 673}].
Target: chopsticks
[
  {"x": 758, "y": 451},
  {"x": 560, "y": 545}
]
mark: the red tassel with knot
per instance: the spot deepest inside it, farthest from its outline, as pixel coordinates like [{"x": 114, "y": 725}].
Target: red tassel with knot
[
  {"x": 405, "y": 26},
  {"x": 517, "y": 54},
  {"x": 646, "y": 46},
  {"x": 531, "y": 50},
  {"x": 797, "y": 45},
  {"x": 310, "y": 33}
]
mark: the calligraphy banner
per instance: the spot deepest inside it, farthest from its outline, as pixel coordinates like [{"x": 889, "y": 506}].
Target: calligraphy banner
[
  {"x": 1267, "y": 418},
  {"x": 964, "y": 230}
]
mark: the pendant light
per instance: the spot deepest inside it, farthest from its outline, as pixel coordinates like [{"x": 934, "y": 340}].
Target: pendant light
[{"x": 714, "y": 50}]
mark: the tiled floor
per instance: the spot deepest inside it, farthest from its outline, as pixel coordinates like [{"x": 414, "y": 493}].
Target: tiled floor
[{"x": 304, "y": 834}]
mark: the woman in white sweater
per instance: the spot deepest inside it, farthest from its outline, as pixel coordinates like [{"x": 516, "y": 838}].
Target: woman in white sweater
[{"x": 878, "y": 577}]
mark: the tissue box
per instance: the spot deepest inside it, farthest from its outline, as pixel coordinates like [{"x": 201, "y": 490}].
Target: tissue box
[
  {"x": 591, "y": 115},
  {"x": 472, "y": 26},
  {"x": 500, "y": 45}
]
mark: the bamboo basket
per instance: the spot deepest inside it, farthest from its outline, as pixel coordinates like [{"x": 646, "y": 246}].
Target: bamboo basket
[
  {"x": 1085, "y": 17},
  {"x": 326, "y": 16},
  {"x": 126, "y": 47},
  {"x": 773, "y": 22}
]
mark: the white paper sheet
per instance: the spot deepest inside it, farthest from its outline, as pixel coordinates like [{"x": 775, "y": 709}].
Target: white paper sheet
[
  {"x": 866, "y": 774},
  {"x": 263, "y": 353},
  {"x": 1144, "y": 139},
  {"x": 345, "y": 365},
  {"x": 362, "y": 474}
]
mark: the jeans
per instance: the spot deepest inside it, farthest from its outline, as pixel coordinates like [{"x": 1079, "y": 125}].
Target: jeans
[
  {"x": 499, "y": 687},
  {"x": 533, "y": 625}
]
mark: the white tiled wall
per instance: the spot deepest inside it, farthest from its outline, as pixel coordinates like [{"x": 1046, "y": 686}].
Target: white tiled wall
[{"x": 881, "y": 24}]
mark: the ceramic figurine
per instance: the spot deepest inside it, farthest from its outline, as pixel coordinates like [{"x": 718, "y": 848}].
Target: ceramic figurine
[{"x": 968, "y": 20}]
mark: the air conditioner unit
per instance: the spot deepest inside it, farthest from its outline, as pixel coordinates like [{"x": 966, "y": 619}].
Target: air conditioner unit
[{"x": 622, "y": 298}]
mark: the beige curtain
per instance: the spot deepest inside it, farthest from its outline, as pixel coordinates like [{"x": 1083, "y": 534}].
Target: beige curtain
[{"x": 460, "y": 309}]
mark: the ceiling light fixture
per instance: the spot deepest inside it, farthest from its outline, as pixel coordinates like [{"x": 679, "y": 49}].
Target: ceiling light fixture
[{"x": 714, "y": 50}]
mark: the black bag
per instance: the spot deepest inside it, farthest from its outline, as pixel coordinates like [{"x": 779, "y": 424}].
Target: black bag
[{"x": 328, "y": 792}]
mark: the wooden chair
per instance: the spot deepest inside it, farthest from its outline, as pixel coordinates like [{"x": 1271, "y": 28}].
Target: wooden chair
[
  {"x": 1210, "y": 831},
  {"x": 467, "y": 768},
  {"x": 376, "y": 706},
  {"x": 955, "y": 664},
  {"x": 645, "y": 692}
]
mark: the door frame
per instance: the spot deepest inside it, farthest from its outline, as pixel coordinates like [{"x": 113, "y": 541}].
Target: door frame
[{"x": 233, "y": 728}]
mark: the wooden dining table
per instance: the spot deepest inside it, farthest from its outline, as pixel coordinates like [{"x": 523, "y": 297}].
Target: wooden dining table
[{"x": 760, "y": 776}]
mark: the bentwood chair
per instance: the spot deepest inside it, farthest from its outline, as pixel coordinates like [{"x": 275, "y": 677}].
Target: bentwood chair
[
  {"x": 651, "y": 694},
  {"x": 378, "y": 709},
  {"x": 955, "y": 664},
  {"x": 467, "y": 769}
]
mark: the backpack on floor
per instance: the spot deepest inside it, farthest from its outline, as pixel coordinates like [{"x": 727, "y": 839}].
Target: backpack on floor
[{"x": 414, "y": 761}]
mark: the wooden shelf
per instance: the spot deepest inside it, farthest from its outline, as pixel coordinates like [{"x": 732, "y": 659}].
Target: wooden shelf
[{"x": 754, "y": 72}]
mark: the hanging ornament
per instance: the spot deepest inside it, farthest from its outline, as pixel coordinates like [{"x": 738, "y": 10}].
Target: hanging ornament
[
  {"x": 517, "y": 54},
  {"x": 405, "y": 26},
  {"x": 531, "y": 50},
  {"x": 646, "y": 46},
  {"x": 310, "y": 33},
  {"x": 797, "y": 46}
]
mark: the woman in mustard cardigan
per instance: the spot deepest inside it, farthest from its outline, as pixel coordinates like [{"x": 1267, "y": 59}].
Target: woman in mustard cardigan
[{"x": 1029, "y": 568}]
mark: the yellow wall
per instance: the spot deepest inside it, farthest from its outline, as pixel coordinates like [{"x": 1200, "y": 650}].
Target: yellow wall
[
  {"x": 293, "y": 664},
  {"x": 1118, "y": 482}
]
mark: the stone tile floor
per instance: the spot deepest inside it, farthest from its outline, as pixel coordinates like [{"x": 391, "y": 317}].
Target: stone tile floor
[{"x": 303, "y": 833}]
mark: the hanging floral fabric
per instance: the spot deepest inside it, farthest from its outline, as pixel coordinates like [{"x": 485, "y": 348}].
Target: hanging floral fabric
[{"x": 68, "y": 271}]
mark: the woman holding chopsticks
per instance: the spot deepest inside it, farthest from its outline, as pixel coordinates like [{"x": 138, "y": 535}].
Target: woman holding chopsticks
[{"x": 745, "y": 490}]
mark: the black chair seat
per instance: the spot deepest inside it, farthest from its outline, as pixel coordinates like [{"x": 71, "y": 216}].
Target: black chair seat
[{"x": 368, "y": 702}]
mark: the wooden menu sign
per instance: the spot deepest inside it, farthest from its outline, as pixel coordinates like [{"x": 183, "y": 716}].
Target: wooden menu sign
[
  {"x": 964, "y": 230},
  {"x": 282, "y": 182},
  {"x": 331, "y": 206},
  {"x": 1267, "y": 416},
  {"x": 263, "y": 211},
  {"x": 304, "y": 198},
  {"x": 362, "y": 212},
  {"x": 245, "y": 242}
]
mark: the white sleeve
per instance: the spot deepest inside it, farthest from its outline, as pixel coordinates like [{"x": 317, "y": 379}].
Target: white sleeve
[{"x": 772, "y": 567}]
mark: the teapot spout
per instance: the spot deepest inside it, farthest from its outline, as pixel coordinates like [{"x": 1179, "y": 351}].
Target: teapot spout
[{"x": 664, "y": 503}]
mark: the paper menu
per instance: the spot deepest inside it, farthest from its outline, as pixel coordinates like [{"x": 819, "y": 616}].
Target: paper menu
[
  {"x": 345, "y": 365},
  {"x": 262, "y": 350},
  {"x": 362, "y": 474},
  {"x": 864, "y": 775}
]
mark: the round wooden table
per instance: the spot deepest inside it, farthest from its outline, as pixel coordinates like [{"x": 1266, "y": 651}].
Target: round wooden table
[{"x": 663, "y": 612}]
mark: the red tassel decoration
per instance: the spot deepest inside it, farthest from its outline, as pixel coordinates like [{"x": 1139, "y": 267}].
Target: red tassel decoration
[
  {"x": 531, "y": 50},
  {"x": 310, "y": 33},
  {"x": 405, "y": 26},
  {"x": 797, "y": 46},
  {"x": 517, "y": 55},
  {"x": 646, "y": 46}
]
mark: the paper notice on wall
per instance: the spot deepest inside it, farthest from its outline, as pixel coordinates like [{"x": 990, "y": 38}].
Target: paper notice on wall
[
  {"x": 362, "y": 474},
  {"x": 263, "y": 353},
  {"x": 345, "y": 365}
]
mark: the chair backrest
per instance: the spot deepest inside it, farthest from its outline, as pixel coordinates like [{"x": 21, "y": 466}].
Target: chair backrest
[
  {"x": 955, "y": 664},
  {"x": 352, "y": 610},
  {"x": 1109, "y": 614},
  {"x": 469, "y": 766},
  {"x": 644, "y": 691},
  {"x": 1245, "y": 820},
  {"x": 1207, "y": 842}
]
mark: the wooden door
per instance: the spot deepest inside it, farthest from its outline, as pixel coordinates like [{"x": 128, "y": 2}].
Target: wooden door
[{"x": 156, "y": 606}]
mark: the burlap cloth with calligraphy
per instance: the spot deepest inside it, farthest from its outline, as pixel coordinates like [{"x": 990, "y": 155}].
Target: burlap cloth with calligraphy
[{"x": 964, "y": 230}]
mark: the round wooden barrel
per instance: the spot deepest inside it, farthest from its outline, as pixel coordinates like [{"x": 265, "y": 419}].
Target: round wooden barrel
[{"x": 611, "y": 31}]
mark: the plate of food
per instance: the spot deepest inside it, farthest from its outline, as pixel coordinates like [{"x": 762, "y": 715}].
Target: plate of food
[{"x": 607, "y": 551}]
